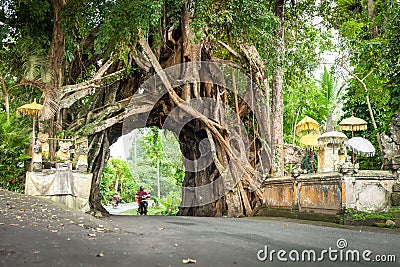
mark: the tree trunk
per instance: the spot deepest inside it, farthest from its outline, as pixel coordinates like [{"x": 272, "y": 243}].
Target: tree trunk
[
  {"x": 116, "y": 182},
  {"x": 374, "y": 30},
  {"x": 158, "y": 178},
  {"x": 5, "y": 97},
  {"x": 221, "y": 177},
  {"x": 99, "y": 154},
  {"x": 277, "y": 92},
  {"x": 199, "y": 199},
  {"x": 52, "y": 91}
]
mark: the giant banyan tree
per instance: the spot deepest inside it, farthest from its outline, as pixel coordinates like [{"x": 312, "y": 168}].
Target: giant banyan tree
[{"x": 209, "y": 71}]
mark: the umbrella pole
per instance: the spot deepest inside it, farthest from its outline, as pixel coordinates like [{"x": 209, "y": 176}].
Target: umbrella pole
[
  {"x": 352, "y": 151},
  {"x": 312, "y": 160},
  {"x": 33, "y": 141}
]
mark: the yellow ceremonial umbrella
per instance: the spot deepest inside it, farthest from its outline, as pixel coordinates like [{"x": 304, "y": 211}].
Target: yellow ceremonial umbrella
[
  {"x": 31, "y": 108},
  {"x": 353, "y": 124},
  {"x": 307, "y": 124},
  {"x": 311, "y": 141},
  {"x": 28, "y": 109}
]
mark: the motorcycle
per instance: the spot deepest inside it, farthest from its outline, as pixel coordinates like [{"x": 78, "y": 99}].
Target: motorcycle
[
  {"x": 143, "y": 205},
  {"x": 115, "y": 204},
  {"x": 115, "y": 201}
]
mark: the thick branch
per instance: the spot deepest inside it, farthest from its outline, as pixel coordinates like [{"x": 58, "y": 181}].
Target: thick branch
[
  {"x": 98, "y": 77},
  {"x": 247, "y": 170},
  {"x": 232, "y": 51},
  {"x": 102, "y": 120}
]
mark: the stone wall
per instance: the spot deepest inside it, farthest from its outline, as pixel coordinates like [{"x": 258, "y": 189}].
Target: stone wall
[
  {"x": 391, "y": 147},
  {"x": 330, "y": 193}
]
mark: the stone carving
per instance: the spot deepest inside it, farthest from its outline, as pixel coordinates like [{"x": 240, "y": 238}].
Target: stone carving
[
  {"x": 81, "y": 149},
  {"x": 63, "y": 153},
  {"x": 297, "y": 170},
  {"x": 391, "y": 146},
  {"x": 347, "y": 167},
  {"x": 293, "y": 154},
  {"x": 43, "y": 138},
  {"x": 37, "y": 157}
]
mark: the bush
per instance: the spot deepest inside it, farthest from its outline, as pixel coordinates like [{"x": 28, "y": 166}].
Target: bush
[
  {"x": 14, "y": 140},
  {"x": 127, "y": 186}
]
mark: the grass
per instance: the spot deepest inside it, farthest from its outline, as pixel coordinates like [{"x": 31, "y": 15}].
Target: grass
[
  {"x": 157, "y": 210},
  {"x": 361, "y": 216}
]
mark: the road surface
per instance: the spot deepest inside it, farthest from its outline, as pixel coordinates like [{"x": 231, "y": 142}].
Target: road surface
[
  {"x": 35, "y": 232},
  {"x": 121, "y": 208}
]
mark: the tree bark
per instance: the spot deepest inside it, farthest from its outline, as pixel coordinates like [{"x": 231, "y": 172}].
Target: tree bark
[
  {"x": 5, "y": 97},
  {"x": 374, "y": 30},
  {"x": 230, "y": 181},
  {"x": 99, "y": 153},
  {"x": 277, "y": 91}
]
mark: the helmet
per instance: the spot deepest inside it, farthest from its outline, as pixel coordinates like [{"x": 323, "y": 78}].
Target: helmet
[{"x": 141, "y": 187}]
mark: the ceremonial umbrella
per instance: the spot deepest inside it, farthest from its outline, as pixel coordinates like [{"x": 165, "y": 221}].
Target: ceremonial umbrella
[
  {"x": 332, "y": 137},
  {"x": 361, "y": 146},
  {"x": 310, "y": 140},
  {"x": 28, "y": 109},
  {"x": 307, "y": 124},
  {"x": 31, "y": 108},
  {"x": 353, "y": 124}
]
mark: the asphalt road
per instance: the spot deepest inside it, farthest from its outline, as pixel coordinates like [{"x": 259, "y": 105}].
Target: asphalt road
[{"x": 34, "y": 232}]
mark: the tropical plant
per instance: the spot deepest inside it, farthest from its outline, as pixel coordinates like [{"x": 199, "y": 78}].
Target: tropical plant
[
  {"x": 166, "y": 206},
  {"x": 14, "y": 142},
  {"x": 117, "y": 178},
  {"x": 158, "y": 166},
  {"x": 333, "y": 94}
]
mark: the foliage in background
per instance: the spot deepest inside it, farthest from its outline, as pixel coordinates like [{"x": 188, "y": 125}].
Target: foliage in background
[
  {"x": 304, "y": 98},
  {"x": 14, "y": 142},
  {"x": 117, "y": 171},
  {"x": 305, "y": 41},
  {"x": 153, "y": 143},
  {"x": 166, "y": 206},
  {"x": 370, "y": 45}
]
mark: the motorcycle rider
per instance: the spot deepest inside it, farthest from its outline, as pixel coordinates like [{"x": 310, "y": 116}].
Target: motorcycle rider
[
  {"x": 116, "y": 198},
  {"x": 141, "y": 192}
]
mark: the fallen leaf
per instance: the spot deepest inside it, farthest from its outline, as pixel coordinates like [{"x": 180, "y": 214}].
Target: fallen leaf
[
  {"x": 188, "y": 260},
  {"x": 286, "y": 224}
]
